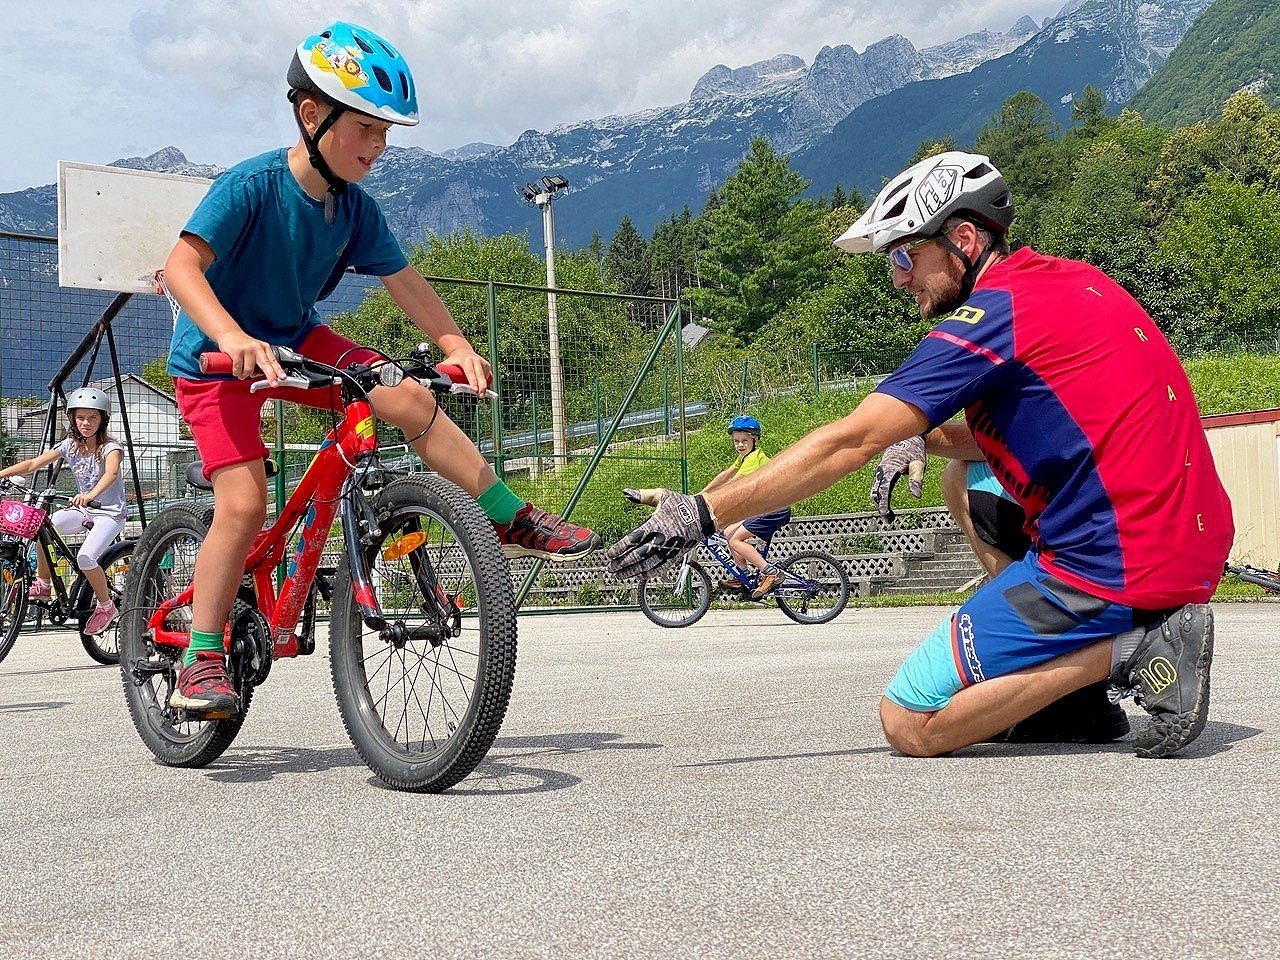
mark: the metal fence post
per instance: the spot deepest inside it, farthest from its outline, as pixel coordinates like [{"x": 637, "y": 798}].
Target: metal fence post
[
  {"x": 599, "y": 425},
  {"x": 499, "y": 461},
  {"x": 536, "y": 470},
  {"x": 817, "y": 382},
  {"x": 666, "y": 401}
]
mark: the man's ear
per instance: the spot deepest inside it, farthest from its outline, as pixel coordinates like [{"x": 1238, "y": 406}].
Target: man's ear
[{"x": 967, "y": 238}]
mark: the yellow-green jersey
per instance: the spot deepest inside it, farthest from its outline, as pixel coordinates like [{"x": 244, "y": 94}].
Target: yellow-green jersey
[{"x": 752, "y": 462}]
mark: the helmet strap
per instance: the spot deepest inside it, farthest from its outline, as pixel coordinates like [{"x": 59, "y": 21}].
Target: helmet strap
[
  {"x": 971, "y": 270},
  {"x": 336, "y": 184}
]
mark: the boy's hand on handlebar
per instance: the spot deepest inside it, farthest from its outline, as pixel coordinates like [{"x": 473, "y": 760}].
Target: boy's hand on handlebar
[
  {"x": 675, "y": 528},
  {"x": 249, "y": 355},
  {"x": 478, "y": 372}
]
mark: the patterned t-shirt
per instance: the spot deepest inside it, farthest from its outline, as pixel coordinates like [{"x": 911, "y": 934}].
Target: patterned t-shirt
[
  {"x": 1086, "y": 417},
  {"x": 88, "y": 469}
]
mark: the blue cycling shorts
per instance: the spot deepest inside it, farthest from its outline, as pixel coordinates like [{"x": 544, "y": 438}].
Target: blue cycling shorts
[
  {"x": 767, "y": 524},
  {"x": 1022, "y": 618}
]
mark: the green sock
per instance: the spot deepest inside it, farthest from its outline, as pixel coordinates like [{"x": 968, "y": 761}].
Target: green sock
[
  {"x": 499, "y": 504},
  {"x": 209, "y": 642}
]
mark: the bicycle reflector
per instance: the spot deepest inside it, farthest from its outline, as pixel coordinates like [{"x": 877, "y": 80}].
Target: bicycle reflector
[{"x": 402, "y": 546}]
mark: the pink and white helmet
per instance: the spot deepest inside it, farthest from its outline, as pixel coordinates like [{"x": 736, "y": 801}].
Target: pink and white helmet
[{"x": 918, "y": 201}]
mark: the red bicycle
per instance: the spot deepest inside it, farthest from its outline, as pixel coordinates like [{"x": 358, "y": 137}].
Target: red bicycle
[{"x": 423, "y": 630}]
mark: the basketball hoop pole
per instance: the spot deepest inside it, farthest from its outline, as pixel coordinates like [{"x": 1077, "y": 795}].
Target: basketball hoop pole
[{"x": 90, "y": 344}]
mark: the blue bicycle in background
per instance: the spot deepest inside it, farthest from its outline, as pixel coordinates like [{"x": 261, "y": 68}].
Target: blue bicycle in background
[{"x": 814, "y": 587}]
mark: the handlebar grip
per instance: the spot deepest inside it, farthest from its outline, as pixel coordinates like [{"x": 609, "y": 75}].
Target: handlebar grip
[
  {"x": 215, "y": 362},
  {"x": 456, "y": 374}
]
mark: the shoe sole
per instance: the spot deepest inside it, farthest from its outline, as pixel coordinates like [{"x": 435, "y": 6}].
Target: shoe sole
[
  {"x": 513, "y": 551},
  {"x": 204, "y": 709},
  {"x": 1164, "y": 737}
]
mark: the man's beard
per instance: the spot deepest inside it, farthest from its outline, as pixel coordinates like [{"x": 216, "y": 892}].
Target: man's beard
[{"x": 944, "y": 295}]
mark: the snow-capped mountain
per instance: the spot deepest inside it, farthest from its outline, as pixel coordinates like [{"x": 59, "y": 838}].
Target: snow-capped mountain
[{"x": 650, "y": 164}]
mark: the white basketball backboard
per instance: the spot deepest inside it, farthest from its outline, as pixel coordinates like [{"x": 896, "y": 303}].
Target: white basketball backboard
[{"x": 117, "y": 226}]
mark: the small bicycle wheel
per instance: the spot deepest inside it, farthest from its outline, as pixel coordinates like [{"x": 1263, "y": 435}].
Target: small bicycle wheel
[
  {"x": 14, "y": 582},
  {"x": 677, "y": 596},
  {"x": 814, "y": 588},
  {"x": 423, "y": 707},
  {"x": 161, "y": 566},
  {"x": 105, "y": 646}
]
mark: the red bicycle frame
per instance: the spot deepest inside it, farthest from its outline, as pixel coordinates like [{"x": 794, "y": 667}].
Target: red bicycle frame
[{"x": 315, "y": 503}]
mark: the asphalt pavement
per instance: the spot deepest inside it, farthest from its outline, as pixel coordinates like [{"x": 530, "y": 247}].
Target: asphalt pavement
[{"x": 717, "y": 791}]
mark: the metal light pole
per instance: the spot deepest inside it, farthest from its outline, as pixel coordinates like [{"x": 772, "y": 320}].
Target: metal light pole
[{"x": 540, "y": 194}]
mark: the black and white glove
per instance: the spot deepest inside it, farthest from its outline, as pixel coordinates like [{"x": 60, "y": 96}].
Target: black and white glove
[
  {"x": 676, "y": 527},
  {"x": 905, "y": 456}
]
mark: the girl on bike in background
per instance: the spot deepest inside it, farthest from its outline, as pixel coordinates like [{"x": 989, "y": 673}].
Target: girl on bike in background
[{"x": 94, "y": 458}]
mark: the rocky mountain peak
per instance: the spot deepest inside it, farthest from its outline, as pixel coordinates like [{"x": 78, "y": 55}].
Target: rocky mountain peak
[{"x": 758, "y": 77}]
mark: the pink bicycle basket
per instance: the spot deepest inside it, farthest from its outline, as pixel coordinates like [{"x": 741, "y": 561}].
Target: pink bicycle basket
[{"x": 20, "y": 520}]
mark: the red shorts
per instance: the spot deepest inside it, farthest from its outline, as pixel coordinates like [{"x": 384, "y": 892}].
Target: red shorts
[{"x": 226, "y": 419}]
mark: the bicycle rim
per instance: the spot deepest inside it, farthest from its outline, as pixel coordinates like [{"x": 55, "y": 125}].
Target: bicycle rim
[
  {"x": 13, "y": 601},
  {"x": 677, "y": 596},
  {"x": 161, "y": 567},
  {"x": 423, "y": 712},
  {"x": 814, "y": 589}
]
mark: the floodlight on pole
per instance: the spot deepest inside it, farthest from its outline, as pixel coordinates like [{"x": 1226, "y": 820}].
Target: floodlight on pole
[{"x": 540, "y": 193}]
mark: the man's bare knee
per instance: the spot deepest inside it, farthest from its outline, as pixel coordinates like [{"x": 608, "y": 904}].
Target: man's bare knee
[{"x": 905, "y": 730}]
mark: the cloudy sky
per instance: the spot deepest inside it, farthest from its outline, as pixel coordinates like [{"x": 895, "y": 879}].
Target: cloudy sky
[{"x": 102, "y": 79}]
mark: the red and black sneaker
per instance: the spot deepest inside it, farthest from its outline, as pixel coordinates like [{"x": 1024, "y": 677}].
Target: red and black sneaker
[
  {"x": 535, "y": 533},
  {"x": 205, "y": 688}
]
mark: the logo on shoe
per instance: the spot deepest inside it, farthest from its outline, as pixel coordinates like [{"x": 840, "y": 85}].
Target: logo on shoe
[{"x": 1158, "y": 675}]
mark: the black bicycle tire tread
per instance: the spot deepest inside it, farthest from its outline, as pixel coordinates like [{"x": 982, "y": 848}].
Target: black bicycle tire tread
[
  {"x": 122, "y": 548},
  {"x": 704, "y": 603},
  {"x": 500, "y": 640},
  {"x": 220, "y": 733},
  {"x": 835, "y": 610},
  {"x": 13, "y": 626}
]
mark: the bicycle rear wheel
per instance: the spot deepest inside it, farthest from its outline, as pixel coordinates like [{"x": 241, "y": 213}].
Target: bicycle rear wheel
[
  {"x": 161, "y": 566},
  {"x": 105, "y": 646},
  {"x": 15, "y": 580},
  {"x": 677, "y": 596},
  {"x": 423, "y": 710},
  {"x": 814, "y": 587}
]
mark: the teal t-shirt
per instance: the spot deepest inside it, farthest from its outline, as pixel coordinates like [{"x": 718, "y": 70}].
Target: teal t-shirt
[{"x": 276, "y": 256}]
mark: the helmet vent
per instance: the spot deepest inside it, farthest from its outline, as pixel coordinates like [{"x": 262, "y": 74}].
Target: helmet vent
[
  {"x": 404, "y": 85},
  {"x": 978, "y": 172},
  {"x": 384, "y": 81},
  {"x": 387, "y": 50},
  {"x": 362, "y": 43}
]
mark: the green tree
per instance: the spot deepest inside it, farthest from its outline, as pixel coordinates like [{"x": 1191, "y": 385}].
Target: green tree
[
  {"x": 931, "y": 148},
  {"x": 1020, "y": 140},
  {"x": 627, "y": 262},
  {"x": 763, "y": 246}
]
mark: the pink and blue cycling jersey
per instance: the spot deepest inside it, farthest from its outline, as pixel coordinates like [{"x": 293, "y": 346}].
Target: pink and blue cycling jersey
[{"x": 1086, "y": 417}]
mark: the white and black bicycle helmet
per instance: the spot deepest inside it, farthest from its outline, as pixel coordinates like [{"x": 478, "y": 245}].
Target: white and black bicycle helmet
[
  {"x": 918, "y": 201},
  {"x": 89, "y": 398}
]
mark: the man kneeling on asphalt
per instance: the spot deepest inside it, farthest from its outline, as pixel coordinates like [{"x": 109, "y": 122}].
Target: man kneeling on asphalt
[
  {"x": 996, "y": 527},
  {"x": 1084, "y": 414}
]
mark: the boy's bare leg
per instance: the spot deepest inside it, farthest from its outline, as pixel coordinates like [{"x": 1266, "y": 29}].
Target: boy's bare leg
[
  {"x": 240, "y": 497},
  {"x": 742, "y": 548},
  {"x": 444, "y": 448},
  {"x": 955, "y": 490},
  {"x": 979, "y": 712}
]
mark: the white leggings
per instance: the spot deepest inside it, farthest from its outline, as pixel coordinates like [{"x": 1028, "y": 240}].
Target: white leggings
[{"x": 106, "y": 527}]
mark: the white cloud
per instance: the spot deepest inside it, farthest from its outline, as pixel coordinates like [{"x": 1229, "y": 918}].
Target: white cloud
[{"x": 132, "y": 76}]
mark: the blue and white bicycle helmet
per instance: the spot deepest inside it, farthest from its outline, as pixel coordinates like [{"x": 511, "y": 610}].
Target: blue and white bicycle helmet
[
  {"x": 350, "y": 68},
  {"x": 747, "y": 424}
]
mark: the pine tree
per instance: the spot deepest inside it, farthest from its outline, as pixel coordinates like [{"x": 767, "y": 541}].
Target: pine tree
[
  {"x": 628, "y": 260},
  {"x": 763, "y": 245}
]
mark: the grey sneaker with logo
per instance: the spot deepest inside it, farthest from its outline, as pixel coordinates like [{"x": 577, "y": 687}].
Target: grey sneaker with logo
[{"x": 1166, "y": 670}]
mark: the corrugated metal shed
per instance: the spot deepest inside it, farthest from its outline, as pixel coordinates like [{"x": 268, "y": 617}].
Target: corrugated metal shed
[{"x": 1247, "y": 453}]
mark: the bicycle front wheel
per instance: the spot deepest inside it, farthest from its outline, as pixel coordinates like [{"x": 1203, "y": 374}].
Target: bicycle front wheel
[
  {"x": 15, "y": 581},
  {"x": 814, "y": 587},
  {"x": 105, "y": 646},
  {"x": 423, "y": 708},
  {"x": 161, "y": 566},
  {"x": 677, "y": 596}
]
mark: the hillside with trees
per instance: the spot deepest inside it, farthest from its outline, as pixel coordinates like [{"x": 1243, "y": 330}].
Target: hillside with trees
[{"x": 1234, "y": 46}]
